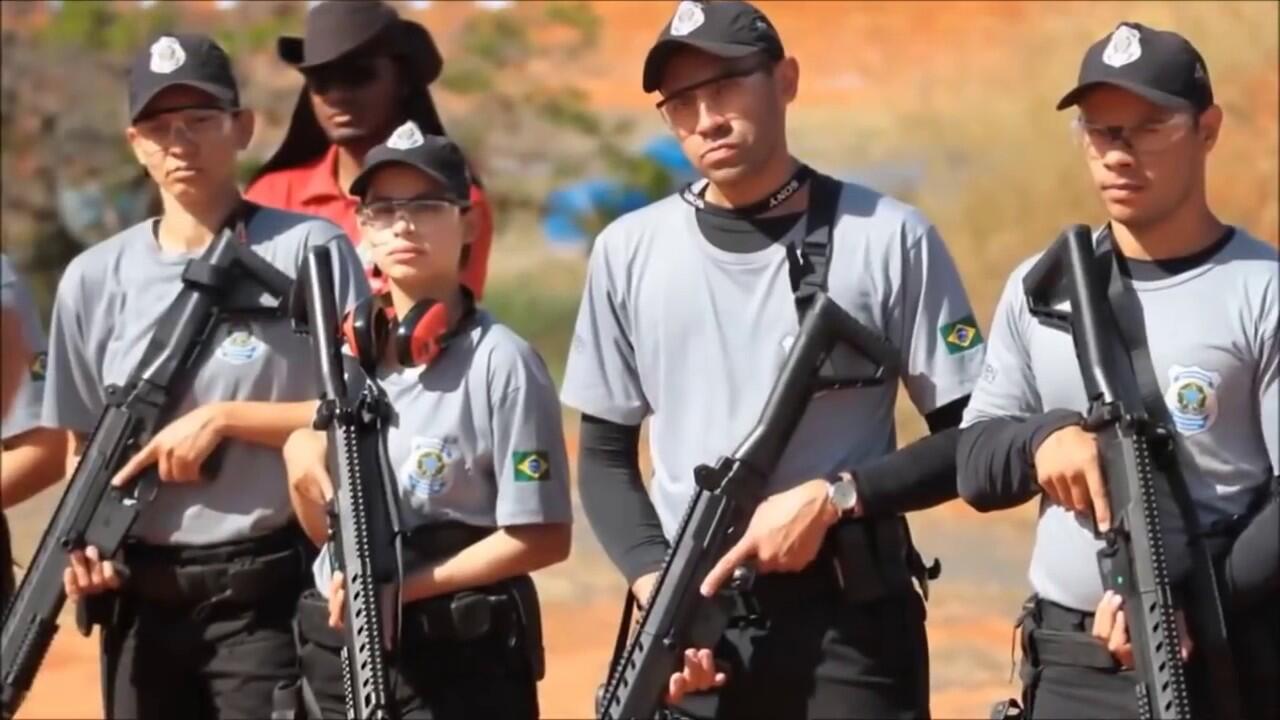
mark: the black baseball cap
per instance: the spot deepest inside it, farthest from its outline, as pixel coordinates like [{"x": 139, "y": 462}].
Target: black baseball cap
[
  {"x": 724, "y": 28},
  {"x": 1161, "y": 66},
  {"x": 181, "y": 59},
  {"x": 435, "y": 155}
]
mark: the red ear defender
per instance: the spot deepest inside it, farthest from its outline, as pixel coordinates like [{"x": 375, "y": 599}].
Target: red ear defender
[
  {"x": 365, "y": 330},
  {"x": 422, "y": 333}
]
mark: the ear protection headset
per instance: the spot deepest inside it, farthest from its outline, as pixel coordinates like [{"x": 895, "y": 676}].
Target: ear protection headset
[{"x": 419, "y": 337}]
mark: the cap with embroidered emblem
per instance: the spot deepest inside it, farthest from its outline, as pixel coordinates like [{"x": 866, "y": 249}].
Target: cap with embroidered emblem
[
  {"x": 191, "y": 59},
  {"x": 724, "y": 28},
  {"x": 1158, "y": 65},
  {"x": 434, "y": 155}
]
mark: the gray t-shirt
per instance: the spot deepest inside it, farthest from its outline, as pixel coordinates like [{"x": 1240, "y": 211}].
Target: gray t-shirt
[
  {"x": 693, "y": 337},
  {"x": 24, "y": 414},
  {"x": 108, "y": 303},
  {"x": 476, "y": 437},
  {"x": 1212, "y": 336}
]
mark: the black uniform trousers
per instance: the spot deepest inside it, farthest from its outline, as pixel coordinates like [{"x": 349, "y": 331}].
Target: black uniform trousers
[
  {"x": 432, "y": 677},
  {"x": 798, "y": 648},
  {"x": 203, "y": 633},
  {"x": 1091, "y": 685}
]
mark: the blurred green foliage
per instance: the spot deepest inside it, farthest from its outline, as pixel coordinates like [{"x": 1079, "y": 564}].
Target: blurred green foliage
[
  {"x": 99, "y": 27},
  {"x": 519, "y": 113}
]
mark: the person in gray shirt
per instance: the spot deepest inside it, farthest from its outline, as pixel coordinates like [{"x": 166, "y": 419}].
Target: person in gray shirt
[
  {"x": 31, "y": 456},
  {"x": 476, "y": 446},
  {"x": 689, "y": 310},
  {"x": 1208, "y": 292},
  {"x": 202, "y": 625}
]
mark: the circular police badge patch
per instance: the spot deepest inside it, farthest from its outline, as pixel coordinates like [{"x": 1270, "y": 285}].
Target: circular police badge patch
[
  {"x": 424, "y": 471},
  {"x": 240, "y": 346},
  {"x": 1192, "y": 398}
]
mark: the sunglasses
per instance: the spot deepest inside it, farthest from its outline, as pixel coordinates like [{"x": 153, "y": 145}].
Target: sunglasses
[{"x": 350, "y": 74}]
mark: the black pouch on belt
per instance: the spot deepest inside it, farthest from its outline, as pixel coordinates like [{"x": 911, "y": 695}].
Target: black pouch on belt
[
  {"x": 877, "y": 559},
  {"x": 313, "y": 621},
  {"x": 510, "y": 606},
  {"x": 524, "y": 594}
]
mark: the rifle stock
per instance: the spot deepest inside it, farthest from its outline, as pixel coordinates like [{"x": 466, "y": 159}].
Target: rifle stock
[{"x": 676, "y": 616}]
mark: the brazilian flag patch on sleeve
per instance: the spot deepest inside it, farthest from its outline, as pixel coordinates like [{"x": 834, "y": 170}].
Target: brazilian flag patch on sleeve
[
  {"x": 39, "y": 367},
  {"x": 961, "y": 335},
  {"x": 531, "y": 465}
]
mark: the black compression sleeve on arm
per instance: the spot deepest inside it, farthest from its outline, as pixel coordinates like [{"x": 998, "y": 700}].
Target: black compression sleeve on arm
[
  {"x": 948, "y": 416},
  {"x": 995, "y": 459},
  {"x": 614, "y": 498},
  {"x": 918, "y": 476}
]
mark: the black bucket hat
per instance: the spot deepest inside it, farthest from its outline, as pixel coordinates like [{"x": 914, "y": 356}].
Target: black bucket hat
[{"x": 336, "y": 29}]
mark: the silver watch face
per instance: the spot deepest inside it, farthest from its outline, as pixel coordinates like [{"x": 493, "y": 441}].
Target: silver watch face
[{"x": 843, "y": 495}]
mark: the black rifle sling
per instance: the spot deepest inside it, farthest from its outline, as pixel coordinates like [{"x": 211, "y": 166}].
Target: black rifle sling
[
  {"x": 810, "y": 264},
  {"x": 1205, "y": 613},
  {"x": 201, "y": 273},
  {"x": 809, "y": 267}
]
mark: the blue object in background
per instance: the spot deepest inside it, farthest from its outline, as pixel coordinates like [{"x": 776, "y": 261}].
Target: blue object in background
[
  {"x": 571, "y": 212},
  {"x": 568, "y": 208},
  {"x": 665, "y": 151}
]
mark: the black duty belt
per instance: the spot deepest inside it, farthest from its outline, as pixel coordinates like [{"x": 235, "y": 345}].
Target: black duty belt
[
  {"x": 200, "y": 579},
  {"x": 288, "y": 537},
  {"x": 1056, "y": 635}
]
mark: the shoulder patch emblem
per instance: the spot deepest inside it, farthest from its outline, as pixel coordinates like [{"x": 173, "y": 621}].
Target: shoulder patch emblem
[
  {"x": 241, "y": 346},
  {"x": 39, "y": 366},
  {"x": 1192, "y": 398},
  {"x": 961, "y": 336},
  {"x": 1125, "y": 47},
  {"x": 531, "y": 465},
  {"x": 689, "y": 17}
]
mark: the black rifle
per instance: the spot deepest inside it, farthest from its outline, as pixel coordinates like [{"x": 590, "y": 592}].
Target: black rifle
[
  {"x": 676, "y": 616},
  {"x": 93, "y": 513},
  {"x": 364, "y": 526},
  {"x": 1145, "y": 490}
]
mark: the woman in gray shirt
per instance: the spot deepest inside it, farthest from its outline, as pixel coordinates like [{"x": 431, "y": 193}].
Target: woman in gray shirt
[{"x": 476, "y": 446}]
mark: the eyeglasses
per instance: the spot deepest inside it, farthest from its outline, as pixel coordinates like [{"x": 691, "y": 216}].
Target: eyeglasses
[
  {"x": 349, "y": 74},
  {"x": 196, "y": 125},
  {"x": 1145, "y": 138},
  {"x": 418, "y": 212},
  {"x": 726, "y": 94}
]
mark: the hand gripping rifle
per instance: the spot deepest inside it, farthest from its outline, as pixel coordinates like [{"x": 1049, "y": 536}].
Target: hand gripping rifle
[
  {"x": 91, "y": 511},
  {"x": 676, "y": 615},
  {"x": 1145, "y": 489},
  {"x": 364, "y": 526}
]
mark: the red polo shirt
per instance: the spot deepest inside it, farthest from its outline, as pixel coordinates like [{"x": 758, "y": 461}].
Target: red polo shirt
[{"x": 313, "y": 189}]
